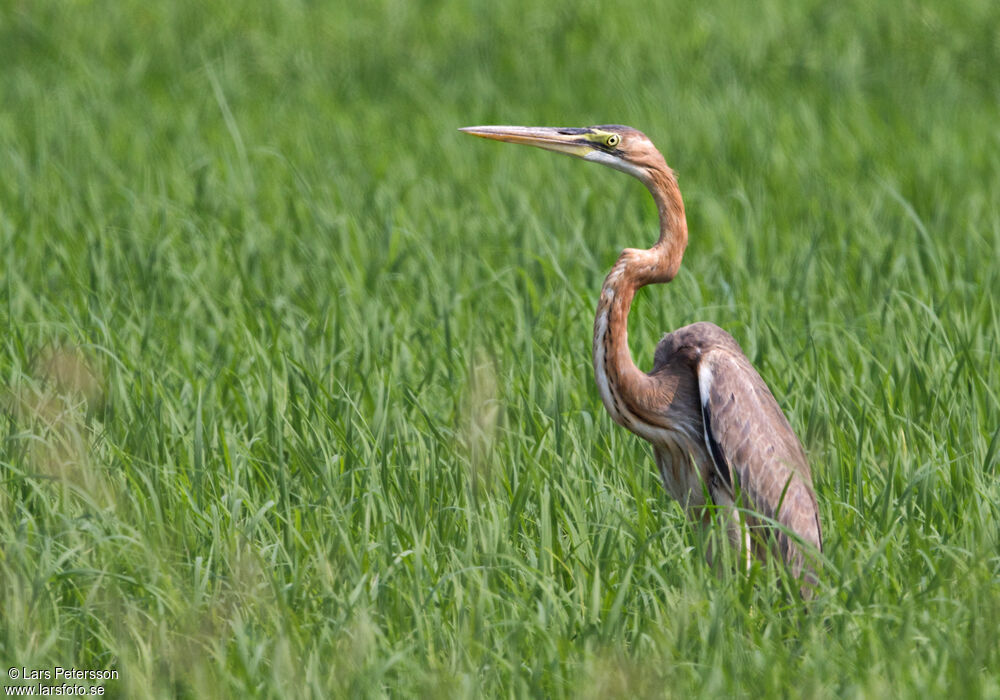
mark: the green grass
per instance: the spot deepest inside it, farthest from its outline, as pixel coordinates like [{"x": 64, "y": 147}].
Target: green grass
[{"x": 297, "y": 397}]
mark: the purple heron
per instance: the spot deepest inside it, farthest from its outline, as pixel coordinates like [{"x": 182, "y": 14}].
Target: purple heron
[{"x": 717, "y": 433}]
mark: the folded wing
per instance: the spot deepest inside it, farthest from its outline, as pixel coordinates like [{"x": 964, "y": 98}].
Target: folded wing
[{"x": 756, "y": 452}]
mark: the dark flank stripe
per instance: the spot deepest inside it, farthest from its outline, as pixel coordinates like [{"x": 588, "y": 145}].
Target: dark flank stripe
[{"x": 720, "y": 459}]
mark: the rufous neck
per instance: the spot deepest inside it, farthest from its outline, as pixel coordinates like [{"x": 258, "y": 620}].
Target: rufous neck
[{"x": 669, "y": 248}]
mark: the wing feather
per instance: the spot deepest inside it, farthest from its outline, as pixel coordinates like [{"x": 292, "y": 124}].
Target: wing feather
[{"x": 751, "y": 441}]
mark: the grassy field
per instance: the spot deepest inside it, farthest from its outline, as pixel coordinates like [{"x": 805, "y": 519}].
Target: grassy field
[{"x": 296, "y": 386}]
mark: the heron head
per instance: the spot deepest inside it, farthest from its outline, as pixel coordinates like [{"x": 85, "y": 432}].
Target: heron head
[{"x": 620, "y": 147}]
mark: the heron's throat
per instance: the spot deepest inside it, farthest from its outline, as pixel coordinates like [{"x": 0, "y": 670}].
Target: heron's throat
[{"x": 662, "y": 184}]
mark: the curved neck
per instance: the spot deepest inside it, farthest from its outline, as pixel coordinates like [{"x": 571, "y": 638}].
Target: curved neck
[
  {"x": 623, "y": 387},
  {"x": 669, "y": 248}
]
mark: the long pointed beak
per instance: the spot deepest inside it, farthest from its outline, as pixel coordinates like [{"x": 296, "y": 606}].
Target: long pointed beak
[{"x": 561, "y": 140}]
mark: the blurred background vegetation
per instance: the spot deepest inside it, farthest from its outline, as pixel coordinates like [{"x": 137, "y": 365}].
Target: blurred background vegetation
[{"x": 297, "y": 397}]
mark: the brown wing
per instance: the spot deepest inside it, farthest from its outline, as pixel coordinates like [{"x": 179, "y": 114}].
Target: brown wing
[{"x": 752, "y": 444}]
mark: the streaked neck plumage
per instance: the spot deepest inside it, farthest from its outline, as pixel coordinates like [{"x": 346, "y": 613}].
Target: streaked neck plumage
[{"x": 624, "y": 387}]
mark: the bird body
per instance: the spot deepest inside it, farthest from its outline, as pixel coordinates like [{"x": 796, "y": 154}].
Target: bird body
[{"x": 717, "y": 432}]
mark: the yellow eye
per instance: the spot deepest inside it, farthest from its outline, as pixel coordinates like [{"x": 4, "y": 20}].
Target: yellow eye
[{"x": 613, "y": 140}]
